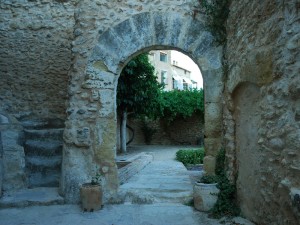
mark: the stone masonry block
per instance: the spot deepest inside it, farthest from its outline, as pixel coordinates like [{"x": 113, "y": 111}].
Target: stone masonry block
[
  {"x": 142, "y": 23},
  {"x": 127, "y": 33},
  {"x": 213, "y": 119},
  {"x": 161, "y": 27},
  {"x": 107, "y": 100},
  {"x": 13, "y": 160},
  {"x": 213, "y": 85},
  {"x": 204, "y": 43},
  {"x": 212, "y": 145},
  {"x": 191, "y": 35},
  {"x": 209, "y": 164},
  {"x": 176, "y": 25}
]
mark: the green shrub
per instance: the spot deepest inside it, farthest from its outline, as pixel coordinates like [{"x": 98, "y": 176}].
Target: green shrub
[
  {"x": 209, "y": 179},
  {"x": 190, "y": 156},
  {"x": 226, "y": 203}
]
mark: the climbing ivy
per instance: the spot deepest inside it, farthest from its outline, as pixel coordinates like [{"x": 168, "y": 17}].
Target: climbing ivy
[
  {"x": 217, "y": 13},
  {"x": 226, "y": 203}
]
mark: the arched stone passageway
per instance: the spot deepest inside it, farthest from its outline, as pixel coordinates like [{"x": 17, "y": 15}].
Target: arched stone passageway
[{"x": 90, "y": 134}]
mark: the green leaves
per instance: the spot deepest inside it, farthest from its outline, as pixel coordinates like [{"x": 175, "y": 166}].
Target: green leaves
[
  {"x": 226, "y": 204},
  {"x": 138, "y": 89},
  {"x": 181, "y": 104},
  {"x": 190, "y": 156},
  {"x": 217, "y": 12}
]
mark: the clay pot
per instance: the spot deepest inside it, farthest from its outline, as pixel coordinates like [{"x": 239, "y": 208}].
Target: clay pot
[
  {"x": 91, "y": 197},
  {"x": 205, "y": 196}
]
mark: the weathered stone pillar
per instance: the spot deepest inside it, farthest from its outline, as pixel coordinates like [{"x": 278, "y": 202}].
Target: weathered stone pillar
[
  {"x": 90, "y": 134},
  {"x": 213, "y": 90}
]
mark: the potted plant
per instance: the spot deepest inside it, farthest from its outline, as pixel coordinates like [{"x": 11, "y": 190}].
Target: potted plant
[
  {"x": 91, "y": 194},
  {"x": 205, "y": 193}
]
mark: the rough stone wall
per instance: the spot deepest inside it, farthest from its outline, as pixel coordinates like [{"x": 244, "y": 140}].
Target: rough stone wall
[
  {"x": 35, "y": 57},
  {"x": 180, "y": 132},
  {"x": 12, "y": 157},
  {"x": 263, "y": 51}
]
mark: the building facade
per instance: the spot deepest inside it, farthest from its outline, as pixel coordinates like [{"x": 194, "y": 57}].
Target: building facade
[{"x": 169, "y": 73}]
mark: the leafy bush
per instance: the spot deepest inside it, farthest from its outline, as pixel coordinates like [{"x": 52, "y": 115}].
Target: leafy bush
[
  {"x": 190, "y": 156},
  {"x": 183, "y": 104}
]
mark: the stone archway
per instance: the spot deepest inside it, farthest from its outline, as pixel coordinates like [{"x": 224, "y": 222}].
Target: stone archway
[{"x": 90, "y": 134}]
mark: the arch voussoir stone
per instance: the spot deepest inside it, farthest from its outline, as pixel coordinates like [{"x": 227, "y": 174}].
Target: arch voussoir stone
[
  {"x": 161, "y": 28},
  {"x": 129, "y": 36},
  {"x": 205, "y": 42},
  {"x": 191, "y": 36},
  {"x": 144, "y": 29},
  {"x": 101, "y": 54},
  {"x": 176, "y": 25}
]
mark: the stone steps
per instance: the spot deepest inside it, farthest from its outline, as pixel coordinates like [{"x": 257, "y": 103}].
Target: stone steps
[
  {"x": 43, "y": 148},
  {"x": 43, "y": 155},
  {"x": 43, "y": 124},
  {"x": 41, "y": 163},
  {"x": 44, "y": 134},
  {"x": 31, "y": 197},
  {"x": 49, "y": 178}
]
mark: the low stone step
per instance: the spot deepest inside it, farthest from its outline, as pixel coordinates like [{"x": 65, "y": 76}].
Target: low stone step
[
  {"x": 43, "y": 123},
  {"x": 43, "y": 148},
  {"x": 44, "y": 179},
  {"x": 41, "y": 163},
  {"x": 31, "y": 197},
  {"x": 44, "y": 134}
]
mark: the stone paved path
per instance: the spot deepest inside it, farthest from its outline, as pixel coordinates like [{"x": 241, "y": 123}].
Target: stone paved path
[{"x": 164, "y": 182}]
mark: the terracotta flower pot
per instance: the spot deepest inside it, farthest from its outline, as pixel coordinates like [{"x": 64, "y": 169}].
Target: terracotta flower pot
[
  {"x": 91, "y": 197},
  {"x": 205, "y": 196}
]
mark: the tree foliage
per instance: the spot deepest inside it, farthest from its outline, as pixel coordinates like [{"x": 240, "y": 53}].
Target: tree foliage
[
  {"x": 176, "y": 104},
  {"x": 138, "y": 89}
]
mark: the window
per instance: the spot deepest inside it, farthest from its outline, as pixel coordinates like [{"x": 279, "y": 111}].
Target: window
[
  {"x": 163, "y": 57},
  {"x": 185, "y": 85},
  {"x": 174, "y": 83},
  {"x": 164, "y": 77}
]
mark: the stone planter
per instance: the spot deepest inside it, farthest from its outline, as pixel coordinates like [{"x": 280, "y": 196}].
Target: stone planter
[
  {"x": 205, "y": 196},
  {"x": 91, "y": 197}
]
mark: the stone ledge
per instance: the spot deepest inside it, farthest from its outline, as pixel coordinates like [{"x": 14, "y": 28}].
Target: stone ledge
[
  {"x": 134, "y": 165},
  {"x": 31, "y": 197}
]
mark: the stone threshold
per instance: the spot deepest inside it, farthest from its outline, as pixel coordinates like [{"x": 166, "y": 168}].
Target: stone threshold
[{"x": 31, "y": 197}]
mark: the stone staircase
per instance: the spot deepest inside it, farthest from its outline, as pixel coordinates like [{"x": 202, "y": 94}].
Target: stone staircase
[
  {"x": 43, "y": 142},
  {"x": 43, "y": 156}
]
